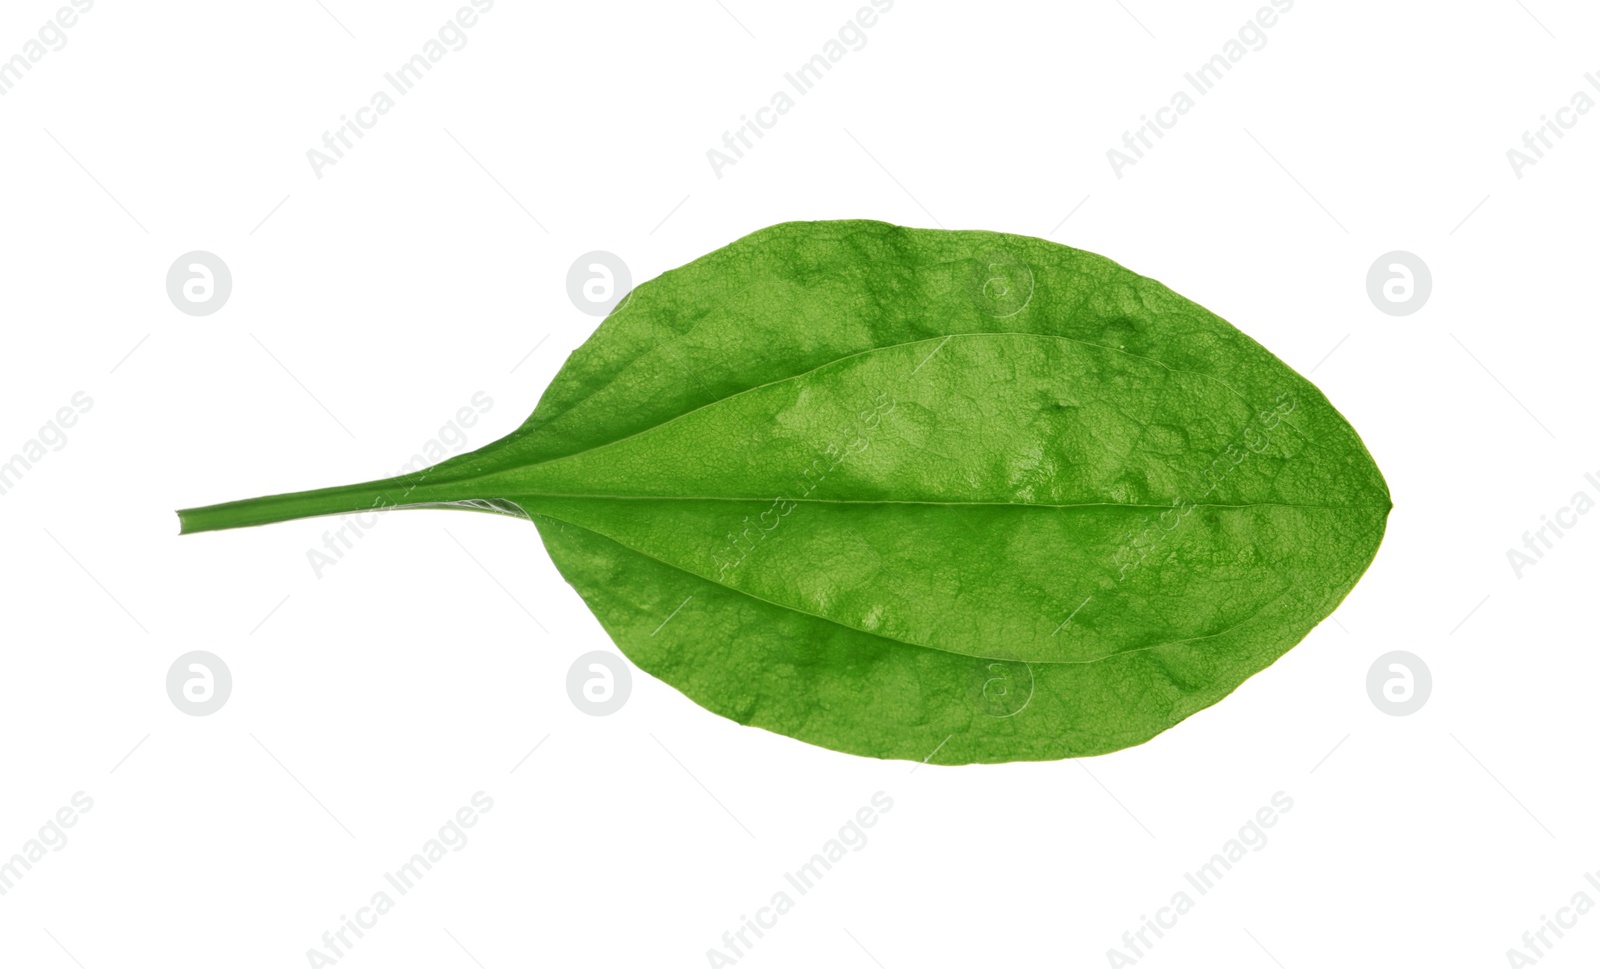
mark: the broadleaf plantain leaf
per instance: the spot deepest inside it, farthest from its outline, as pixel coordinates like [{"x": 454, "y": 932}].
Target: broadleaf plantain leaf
[{"x": 910, "y": 492}]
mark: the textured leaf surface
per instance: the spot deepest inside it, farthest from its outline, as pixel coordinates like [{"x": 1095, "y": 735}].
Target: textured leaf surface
[{"x": 910, "y": 492}]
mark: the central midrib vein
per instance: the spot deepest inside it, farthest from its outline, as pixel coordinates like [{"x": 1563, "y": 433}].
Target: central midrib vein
[{"x": 512, "y": 495}]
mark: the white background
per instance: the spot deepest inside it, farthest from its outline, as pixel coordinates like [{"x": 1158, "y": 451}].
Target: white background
[{"x": 370, "y": 704}]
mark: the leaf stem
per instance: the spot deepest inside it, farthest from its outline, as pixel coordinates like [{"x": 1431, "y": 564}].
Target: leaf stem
[{"x": 408, "y": 491}]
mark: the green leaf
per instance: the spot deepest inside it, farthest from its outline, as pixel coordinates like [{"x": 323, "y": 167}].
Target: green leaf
[{"x": 907, "y": 493}]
